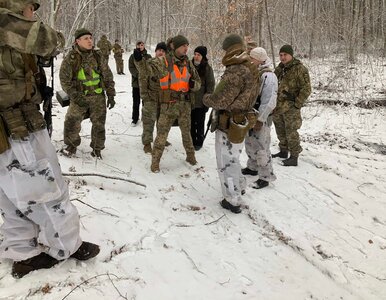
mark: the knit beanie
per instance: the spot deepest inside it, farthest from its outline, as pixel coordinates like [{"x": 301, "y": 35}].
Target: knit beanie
[
  {"x": 162, "y": 46},
  {"x": 179, "y": 40},
  {"x": 259, "y": 53},
  {"x": 81, "y": 32},
  {"x": 202, "y": 50},
  {"x": 287, "y": 49},
  {"x": 139, "y": 42},
  {"x": 232, "y": 39}
]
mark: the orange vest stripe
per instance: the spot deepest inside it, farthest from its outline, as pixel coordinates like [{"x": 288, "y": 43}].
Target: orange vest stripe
[{"x": 178, "y": 81}]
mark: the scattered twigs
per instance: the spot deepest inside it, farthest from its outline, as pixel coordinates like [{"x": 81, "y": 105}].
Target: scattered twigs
[
  {"x": 97, "y": 209},
  {"x": 91, "y": 278},
  {"x": 120, "y": 294},
  {"x": 104, "y": 176},
  {"x": 193, "y": 263}
]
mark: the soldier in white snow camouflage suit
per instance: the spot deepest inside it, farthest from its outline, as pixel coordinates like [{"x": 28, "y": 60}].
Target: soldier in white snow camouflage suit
[{"x": 258, "y": 140}]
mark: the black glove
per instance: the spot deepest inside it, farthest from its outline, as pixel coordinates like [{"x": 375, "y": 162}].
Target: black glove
[
  {"x": 191, "y": 83},
  {"x": 110, "y": 102},
  {"x": 137, "y": 54}
]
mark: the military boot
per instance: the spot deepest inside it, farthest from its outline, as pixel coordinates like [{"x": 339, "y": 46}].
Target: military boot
[
  {"x": 147, "y": 148},
  {"x": 191, "y": 158},
  {"x": 154, "y": 166},
  {"x": 260, "y": 183},
  {"x": 248, "y": 171},
  {"x": 96, "y": 153},
  {"x": 281, "y": 154},
  {"x": 233, "y": 208},
  {"x": 69, "y": 151},
  {"x": 167, "y": 144},
  {"x": 291, "y": 162},
  {"x": 41, "y": 261},
  {"x": 86, "y": 251}
]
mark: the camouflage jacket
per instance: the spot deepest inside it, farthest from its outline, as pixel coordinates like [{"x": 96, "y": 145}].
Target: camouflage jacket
[
  {"x": 238, "y": 87},
  {"x": 117, "y": 50},
  {"x": 149, "y": 85},
  {"x": 133, "y": 69},
  {"x": 294, "y": 85},
  {"x": 105, "y": 46},
  {"x": 19, "y": 35},
  {"x": 88, "y": 60},
  {"x": 205, "y": 72}
]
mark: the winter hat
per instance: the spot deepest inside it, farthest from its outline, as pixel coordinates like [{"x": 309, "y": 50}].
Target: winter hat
[
  {"x": 139, "y": 42},
  {"x": 162, "y": 46},
  {"x": 259, "y": 53},
  {"x": 202, "y": 50},
  {"x": 81, "y": 32},
  {"x": 287, "y": 49},
  {"x": 179, "y": 40},
  {"x": 232, "y": 39}
]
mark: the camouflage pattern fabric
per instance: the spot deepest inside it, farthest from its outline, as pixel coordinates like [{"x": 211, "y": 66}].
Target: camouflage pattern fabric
[
  {"x": 229, "y": 169},
  {"x": 150, "y": 113},
  {"x": 133, "y": 69},
  {"x": 93, "y": 104},
  {"x": 294, "y": 89},
  {"x": 105, "y": 46},
  {"x": 238, "y": 87},
  {"x": 287, "y": 126},
  {"x": 118, "y": 52},
  {"x": 257, "y": 147},
  {"x": 179, "y": 110},
  {"x": 96, "y": 108}
]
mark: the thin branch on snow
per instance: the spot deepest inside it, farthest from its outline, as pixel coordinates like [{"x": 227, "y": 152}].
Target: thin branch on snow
[
  {"x": 124, "y": 297},
  {"x": 97, "y": 209},
  {"x": 193, "y": 263},
  {"x": 104, "y": 176},
  {"x": 215, "y": 221}
]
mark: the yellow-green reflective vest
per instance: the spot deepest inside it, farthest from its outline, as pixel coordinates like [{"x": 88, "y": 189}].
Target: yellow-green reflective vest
[{"x": 90, "y": 85}]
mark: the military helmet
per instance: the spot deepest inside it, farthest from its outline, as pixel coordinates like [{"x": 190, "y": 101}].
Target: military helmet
[{"x": 18, "y": 6}]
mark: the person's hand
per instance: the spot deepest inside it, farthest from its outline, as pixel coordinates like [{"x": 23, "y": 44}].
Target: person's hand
[
  {"x": 137, "y": 54},
  {"x": 110, "y": 102}
]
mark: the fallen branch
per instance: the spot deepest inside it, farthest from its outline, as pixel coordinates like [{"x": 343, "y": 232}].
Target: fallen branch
[
  {"x": 97, "y": 209},
  {"x": 193, "y": 263},
  {"x": 215, "y": 221},
  {"x": 104, "y": 176}
]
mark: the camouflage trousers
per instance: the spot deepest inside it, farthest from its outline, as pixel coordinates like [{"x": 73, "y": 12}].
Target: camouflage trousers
[
  {"x": 229, "y": 168},
  {"x": 257, "y": 147},
  {"x": 287, "y": 125},
  {"x": 168, "y": 114},
  {"x": 34, "y": 202},
  {"x": 119, "y": 64},
  {"x": 96, "y": 110},
  {"x": 150, "y": 112}
]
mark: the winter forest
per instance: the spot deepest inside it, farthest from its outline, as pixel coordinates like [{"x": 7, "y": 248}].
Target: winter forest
[{"x": 318, "y": 232}]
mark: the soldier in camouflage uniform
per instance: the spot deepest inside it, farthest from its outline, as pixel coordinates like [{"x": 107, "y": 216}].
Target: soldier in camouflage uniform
[
  {"x": 105, "y": 46},
  {"x": 181, "y": 79},
  {"x": 234, "y": 96},
  {"x": 118, "y": 52},
  {"x": 294, "y": 89},
  {"x": 85, "y": 76},
  {"x": 150, "y": 91},
  {"x": 258, "y": 140},
  {"x": 41, "y": 225}
]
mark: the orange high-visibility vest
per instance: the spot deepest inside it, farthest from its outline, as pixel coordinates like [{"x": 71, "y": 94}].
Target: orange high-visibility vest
[{"x": 176, "y": 80}]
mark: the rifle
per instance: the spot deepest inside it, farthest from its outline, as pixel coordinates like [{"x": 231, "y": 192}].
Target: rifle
[
  {"x": 47, "y": 93},
  {"x": 208, "y": 124}
]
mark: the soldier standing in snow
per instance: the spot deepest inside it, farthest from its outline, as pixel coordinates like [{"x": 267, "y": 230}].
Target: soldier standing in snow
[
  {"x": 105, "y": 46},
  {"x": 118, "y": 52},
  {"x": 258, "y": 140},
  {"x": 199, "y": 110},
  {"x": 140, "y": 46},
  {"x": 41, "y": 225},
  {"x": 85, "y": 76},
  {"x": 294, "y": 89},
  {"x": 234, "y": 98}
]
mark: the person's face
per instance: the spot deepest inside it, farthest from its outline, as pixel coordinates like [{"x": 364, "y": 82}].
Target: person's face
[
  {"x": 256, "y": 62},
  {"x": 141, "y": 46},
  {"x": 160, "y": 53},
  {"x": 285, "y": 58},
  {"x": 182, "y": 50},
  {"x": 197, "y": 57},
  {"x": 28, "y": 11},
  {"x": 85, "y": 42}
]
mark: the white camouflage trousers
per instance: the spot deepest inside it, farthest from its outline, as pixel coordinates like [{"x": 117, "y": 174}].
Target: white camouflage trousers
[
  {"x": 34, "y": 202},
  {"x": 229, "y": 168},
  {"x": 257, "y": 146}
]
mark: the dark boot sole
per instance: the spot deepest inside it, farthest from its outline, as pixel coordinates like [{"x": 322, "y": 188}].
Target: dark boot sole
[{"x": 235, "y": 209}]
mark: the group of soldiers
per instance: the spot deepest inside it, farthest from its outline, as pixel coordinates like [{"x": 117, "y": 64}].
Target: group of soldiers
[{"x": 41, "y": 226}]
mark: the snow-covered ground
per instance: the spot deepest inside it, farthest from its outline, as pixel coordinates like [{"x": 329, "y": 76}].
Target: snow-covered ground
[{"x": 318, "y": 232}]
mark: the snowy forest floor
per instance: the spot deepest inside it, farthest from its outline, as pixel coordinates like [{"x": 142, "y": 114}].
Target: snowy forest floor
[{"x": 317, "y": 232}]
